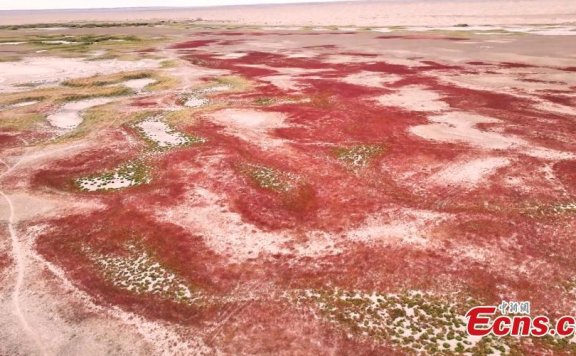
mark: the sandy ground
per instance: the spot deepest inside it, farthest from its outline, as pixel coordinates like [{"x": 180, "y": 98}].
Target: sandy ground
[
  {"x": 69, "y": 117},
  {"x": 362, "y": 13},
  {"x": 375, "y": 162},
  {"x": 49, "y": 71}
]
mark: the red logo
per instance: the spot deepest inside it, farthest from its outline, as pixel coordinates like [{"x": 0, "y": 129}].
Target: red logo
[{"x": 484, "y": 320}]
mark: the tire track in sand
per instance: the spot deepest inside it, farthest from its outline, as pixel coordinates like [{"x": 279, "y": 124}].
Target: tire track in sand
[{"x": 19, "y": 261}]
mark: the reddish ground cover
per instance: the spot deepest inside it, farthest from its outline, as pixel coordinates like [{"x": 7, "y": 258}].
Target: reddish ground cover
[{"x": 341, "y": 165}]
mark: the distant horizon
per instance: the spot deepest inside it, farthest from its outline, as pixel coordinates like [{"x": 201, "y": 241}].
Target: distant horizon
[{"x": 35, "y": 5}]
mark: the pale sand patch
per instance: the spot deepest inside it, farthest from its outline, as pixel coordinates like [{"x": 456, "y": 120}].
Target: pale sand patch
[
  {"x": 138, "y": 85},
  {"x": 283, "y": 82},
  {"x": 116, "y": 182},
  {"x": 280, "y": 28},
  {"x": 555, "y": 108},
  {"x": 388, "y": 55},
  {"x": 302, "y": 54},
  {"x": 216, "y": 89},
  {"x": 53, "y": 70},
  {"x": 59, "y": 42},
  {"x": 294, "y": 71},
  {"x": 382, "y": 29},
  {"x": 162, "y": 134},
  {"x": 468, "y": 174},
  {"x": 461, "y": 127},
  {"x": 196, "y": 102},
  {"x": 555, "y": 32},
  {"x": 409, "y": 226},
  {"x": 414, "y": 98},
  {"x": 348, "y": 29},
  {"x": 487, "y": 29},
  {"x": 544, "y": 30},
  {"x": 521, "y": 82},
  {"x": 52, "y": 28},
  {"x": 23, "y": 104},
  {"x": 232, "y": 55},
  {"x": 501, "y": 82},
  {"x": 226, "y": 233},
  {"x": 346, "y": 59},
  {"x": 371, "y": 79},
  {"x": 27, "y": 206},
  {"x": 68, "y": 116},
  {"x": 271, "y": 45},
  {"x": 251, "y": 125},
  {"x": 190, "y": 76}
]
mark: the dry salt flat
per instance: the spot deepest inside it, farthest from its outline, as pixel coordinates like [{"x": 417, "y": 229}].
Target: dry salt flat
[
  {"x": 53, "y": 70},
  {"x": 68, "y": 117},
  {"x": 414, "y": 98},
  {"x": 461, "y": 127},
  {"x": 251, "y": 125},
  {"x": 196, "y": 102},
  {"x": 371, "y": 79},
  {"x": 469, "y": 173},
  {"x": 138, "y": 85},
  {"x": 160, "y": 133}
]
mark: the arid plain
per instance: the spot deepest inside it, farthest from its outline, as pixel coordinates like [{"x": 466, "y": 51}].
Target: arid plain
[{"x": 189, "y": 187}]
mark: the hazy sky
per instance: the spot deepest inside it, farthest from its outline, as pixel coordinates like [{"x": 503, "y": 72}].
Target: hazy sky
[{"x": 74, "y": 4}]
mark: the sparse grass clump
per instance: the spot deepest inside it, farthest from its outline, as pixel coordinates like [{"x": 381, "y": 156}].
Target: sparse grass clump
[
  {"x": 128, "y": 175},
  {"x": 125, "y": 47},
  {"x": 537, "y": 210},
  {"x": 137, "y": 271},
  {"x": 101, "y": 92},
  {"x": 56, "y": 95},
  {"x": 103, "y": 80},
  {"x": 358, "y": 156},
  {"x": 420, "y": 323},
  {"x": 163, "y": 82},
  {"x": 264, "y": 101},
  {"x": 28, "y": 116},
  {"x": 269, "y": 178},
  {"x": 20, "y": 120},
  {"x": 234, "y": 82},
  {"x": 10, "y": 58},
  {"x": 564, "y": 345},
  {"x": 169, "y": 64},
  {"x": 79, "y": 41}
]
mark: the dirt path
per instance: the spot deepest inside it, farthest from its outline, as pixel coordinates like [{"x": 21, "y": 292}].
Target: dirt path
[{"x": 20, "y": 267}]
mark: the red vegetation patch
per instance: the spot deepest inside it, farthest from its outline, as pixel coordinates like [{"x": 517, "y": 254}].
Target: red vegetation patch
[
  {"x": 566, "y": 172},
  {"x": 192, "y": 44},
  {"x": 9, "y": 140},
  {"x": 60, "y": 174},
  {"x": 482, "y": 240},
  {"x": 515, "y": 65},
  {"x": 175, "y": 249},
  {"x": 5, "y": 261}
]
